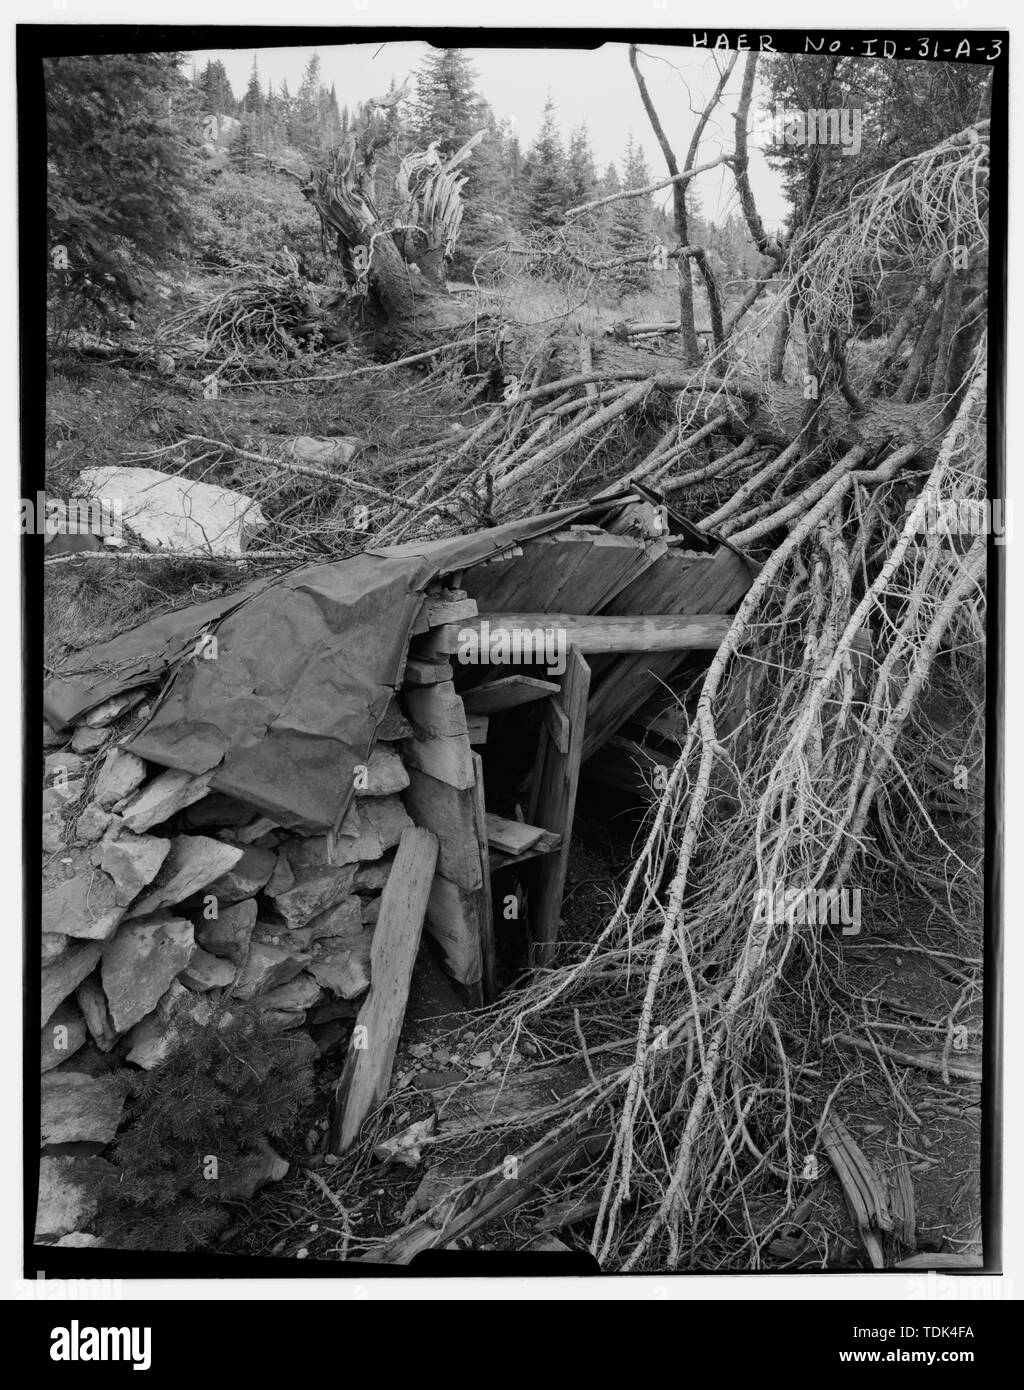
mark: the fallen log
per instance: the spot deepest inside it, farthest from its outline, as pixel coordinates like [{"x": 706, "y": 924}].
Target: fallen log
[{"x": 492, "y": 634}]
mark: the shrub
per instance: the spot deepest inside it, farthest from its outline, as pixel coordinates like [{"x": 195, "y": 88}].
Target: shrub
[{"x": 192, "y": 1121}]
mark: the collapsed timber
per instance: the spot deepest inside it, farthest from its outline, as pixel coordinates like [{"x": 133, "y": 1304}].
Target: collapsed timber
[{"x": 801, "y": 759}]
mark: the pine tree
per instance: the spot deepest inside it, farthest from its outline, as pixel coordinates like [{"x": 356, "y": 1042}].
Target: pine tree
[
  {"x": 446, "y": 95},
  {"x": 307, "y": 124},
  {"x": 632, "y": 221},
  {"x": 253, "y": 99},
  {"x": 547, "y": 191},
  {"x": 123, "y": 136},
  {"x": 215, "y": 87},
  {"x": 246, "y": 141},
  {"x": 580, "y": 171},
  {"x": 332, "y": 129}
]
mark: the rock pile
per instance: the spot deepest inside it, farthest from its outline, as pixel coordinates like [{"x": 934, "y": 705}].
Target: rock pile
[{"x": 161, "y": 900}]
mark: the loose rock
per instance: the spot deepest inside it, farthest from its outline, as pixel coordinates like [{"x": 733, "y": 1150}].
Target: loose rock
[
  {"x": 194, "y": 862},
  {"x": 77, "y": 1108},
  {"x": 166, "y": 794},
  {"x": 140, "y": 963},
  {"x": 228, "y": 934},
  {"x": 132, "y": 861},
  {"x": 119, "y": 776},
  {"x": 62, "y": 1035}
]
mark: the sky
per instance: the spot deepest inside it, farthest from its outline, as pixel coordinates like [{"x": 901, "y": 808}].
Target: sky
[{"x": 592, "y": 85}]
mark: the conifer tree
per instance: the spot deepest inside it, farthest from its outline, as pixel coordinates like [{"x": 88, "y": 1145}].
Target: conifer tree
[
  {"x": 253, "y": 99},
  {"x": 213, "y": 83},
  {"x": 580, "y": 171},
  {"x": 547, "y": 189},
  {"x": 632, "y": 222},
  {"x": 445, "y": 101}
]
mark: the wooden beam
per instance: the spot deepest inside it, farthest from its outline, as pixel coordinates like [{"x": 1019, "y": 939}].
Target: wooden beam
[
  {"x": 524, "y": 635},
  {"x": 396, "y": 937},
  {"x": 513, "y": 837},
  {"x": 488, "y": 952},
  {"x": 557, "y": 725},
  {"x": 553, "y": 805},
  {"x": 506, "y": 694}
]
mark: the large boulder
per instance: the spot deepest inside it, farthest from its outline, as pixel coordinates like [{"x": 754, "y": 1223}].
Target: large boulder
[{"x": 177, "y": 513}]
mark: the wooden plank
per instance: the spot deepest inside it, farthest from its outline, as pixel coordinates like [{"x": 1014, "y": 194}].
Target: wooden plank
[
  {"x": 506, "y": 694},
  {"x": 366, "y": 1074},
  {"x": 488, "y": 953},
  {"x": 514, "y": 837},
  {"x": 557, "y": 725},
  {"x": 711, "y": 583},
  {"x": 593, "y": 633},
  {"x": 578, "y": 571},
  {"x": 554, "y": 804}
]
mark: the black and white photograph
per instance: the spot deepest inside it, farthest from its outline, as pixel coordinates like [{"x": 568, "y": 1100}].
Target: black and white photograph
[{"x": 513, "y": 534}]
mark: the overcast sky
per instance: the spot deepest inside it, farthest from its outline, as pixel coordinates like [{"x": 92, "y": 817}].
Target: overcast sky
[{"x": 592, "y": 85}]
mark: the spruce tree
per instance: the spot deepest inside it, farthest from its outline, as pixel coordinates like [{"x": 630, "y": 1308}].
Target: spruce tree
[
  {"x": 253, "y": 99},
  {"x": 580, "y": 171},
  {"x": 213, "y": 84},
  {"x": 632, "y": 222},
  {"x": 547, "y": 189},
  {"x": 123, "y": 133},
  {"x": 445, "y": 101},
  {"x": 307, "y": 122}
]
